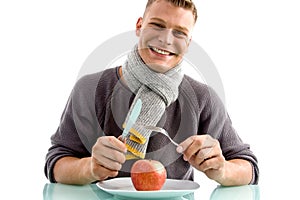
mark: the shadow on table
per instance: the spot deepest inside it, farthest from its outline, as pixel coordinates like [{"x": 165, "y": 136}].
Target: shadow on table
[
  {"x": 247, "y": 192},
  {"x": 57, "y": 191}
]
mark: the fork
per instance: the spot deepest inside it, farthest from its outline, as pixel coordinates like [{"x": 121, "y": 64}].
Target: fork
[
  {"x": 164, "y": 132},
  {"x": 161, "y": 130}
]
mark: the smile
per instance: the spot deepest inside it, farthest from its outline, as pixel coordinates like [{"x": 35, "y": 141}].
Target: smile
[{"x": 161, "y": 51}]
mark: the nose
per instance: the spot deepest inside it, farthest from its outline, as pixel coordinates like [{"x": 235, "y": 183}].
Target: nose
[{"x": 166, "y": 37}]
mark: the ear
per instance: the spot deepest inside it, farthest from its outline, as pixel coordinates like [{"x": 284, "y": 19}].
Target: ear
[{"x": 138, "y": 26}]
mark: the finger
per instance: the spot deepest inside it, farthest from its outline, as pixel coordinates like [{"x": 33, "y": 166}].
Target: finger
[
  {"x": 202, "y": 155},
  {"x": 113, "y": 155},
  {"x": 194, "y": 147},
  {"x": 211, "y": 163},
  {"x": 106, "y": 155},
  {"x": 113, "y": 142},
  {"x": 206, "y": 153},
  {"x": 202, "y": 140},
  {"x": 101, "y": 151},
  {"x": 122, "y": 139},
  {"x": 101, "y": 173},
  {"x": 185, "y": 144},
  {"x": 108, "y": 163},
  {"x": 213, "y": 151},
  {"x": 204, "y": 165}
]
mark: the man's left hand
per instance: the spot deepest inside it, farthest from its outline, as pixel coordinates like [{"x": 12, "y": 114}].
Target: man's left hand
[{"x": 204, "y": 153}]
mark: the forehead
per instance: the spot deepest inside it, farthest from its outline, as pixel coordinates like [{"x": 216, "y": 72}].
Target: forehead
[{"x": 169, "y": 13}]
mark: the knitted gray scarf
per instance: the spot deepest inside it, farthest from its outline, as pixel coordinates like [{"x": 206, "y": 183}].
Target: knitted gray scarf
[{"x": 156, "y": 90}]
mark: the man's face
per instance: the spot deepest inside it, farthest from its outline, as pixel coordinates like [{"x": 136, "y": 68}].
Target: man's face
[{"x": 165, "y": 34}]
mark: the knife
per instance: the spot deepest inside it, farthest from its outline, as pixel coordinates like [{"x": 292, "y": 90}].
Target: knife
[{"x": 132, "y": 117}]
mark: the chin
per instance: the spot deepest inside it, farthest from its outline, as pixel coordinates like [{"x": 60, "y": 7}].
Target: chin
[{"x": 159, "y": 67}]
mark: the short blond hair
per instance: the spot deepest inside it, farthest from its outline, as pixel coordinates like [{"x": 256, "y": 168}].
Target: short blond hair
[{"x": 187, "y": 4}]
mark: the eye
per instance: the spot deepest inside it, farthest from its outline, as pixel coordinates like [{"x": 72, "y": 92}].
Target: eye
[
  {"x": 157, "y": 25},
  {"x": 179, "y": 34}
]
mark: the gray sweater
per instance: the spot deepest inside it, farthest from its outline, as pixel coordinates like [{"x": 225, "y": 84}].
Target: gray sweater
[{"x": 100, "y": 102}]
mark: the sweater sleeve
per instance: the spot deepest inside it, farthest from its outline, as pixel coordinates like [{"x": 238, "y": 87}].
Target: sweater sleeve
[
  {"x": 216, "y": 122},
  {"x": 78, "y": 128}
]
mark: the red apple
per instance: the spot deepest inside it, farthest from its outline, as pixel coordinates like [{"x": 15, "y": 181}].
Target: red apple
[{"x": 148, "y": 175}]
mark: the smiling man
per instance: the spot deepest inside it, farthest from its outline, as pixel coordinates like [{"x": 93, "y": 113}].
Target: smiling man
[
  {"x": 165, "y": 34},
  {"x": 87, "y": 146}
]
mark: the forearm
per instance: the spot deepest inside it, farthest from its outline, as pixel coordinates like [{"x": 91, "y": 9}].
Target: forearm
[
  {"x": 71, "y": 170},
  {"x": 236, "y": 172}
]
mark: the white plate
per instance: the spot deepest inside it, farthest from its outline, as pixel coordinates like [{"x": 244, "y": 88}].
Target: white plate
[{"x": 124, "y": 187}]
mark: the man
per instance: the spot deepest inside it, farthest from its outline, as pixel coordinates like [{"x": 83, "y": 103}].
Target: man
[{"x": 87, "y": 146}]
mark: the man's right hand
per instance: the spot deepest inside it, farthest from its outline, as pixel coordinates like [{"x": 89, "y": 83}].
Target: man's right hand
[{"x": 108, "y": 155}]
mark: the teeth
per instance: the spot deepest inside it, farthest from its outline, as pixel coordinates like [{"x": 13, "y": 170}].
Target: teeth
[{"x": 160, "y": 51}]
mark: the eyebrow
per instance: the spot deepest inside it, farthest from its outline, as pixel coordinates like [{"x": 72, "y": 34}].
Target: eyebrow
[{"x": 176, "y": 26}]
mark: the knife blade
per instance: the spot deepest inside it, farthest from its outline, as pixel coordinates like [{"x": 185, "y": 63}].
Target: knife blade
[{"x": 132, "y": 117}]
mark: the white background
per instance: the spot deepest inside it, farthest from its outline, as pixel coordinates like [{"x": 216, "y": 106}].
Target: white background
[{"x": 254, "y": 45}]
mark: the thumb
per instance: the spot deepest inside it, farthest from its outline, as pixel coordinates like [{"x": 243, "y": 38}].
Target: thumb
[
  {"x": 122, "y": 139},
  {"x": 185, "y": 144}
]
